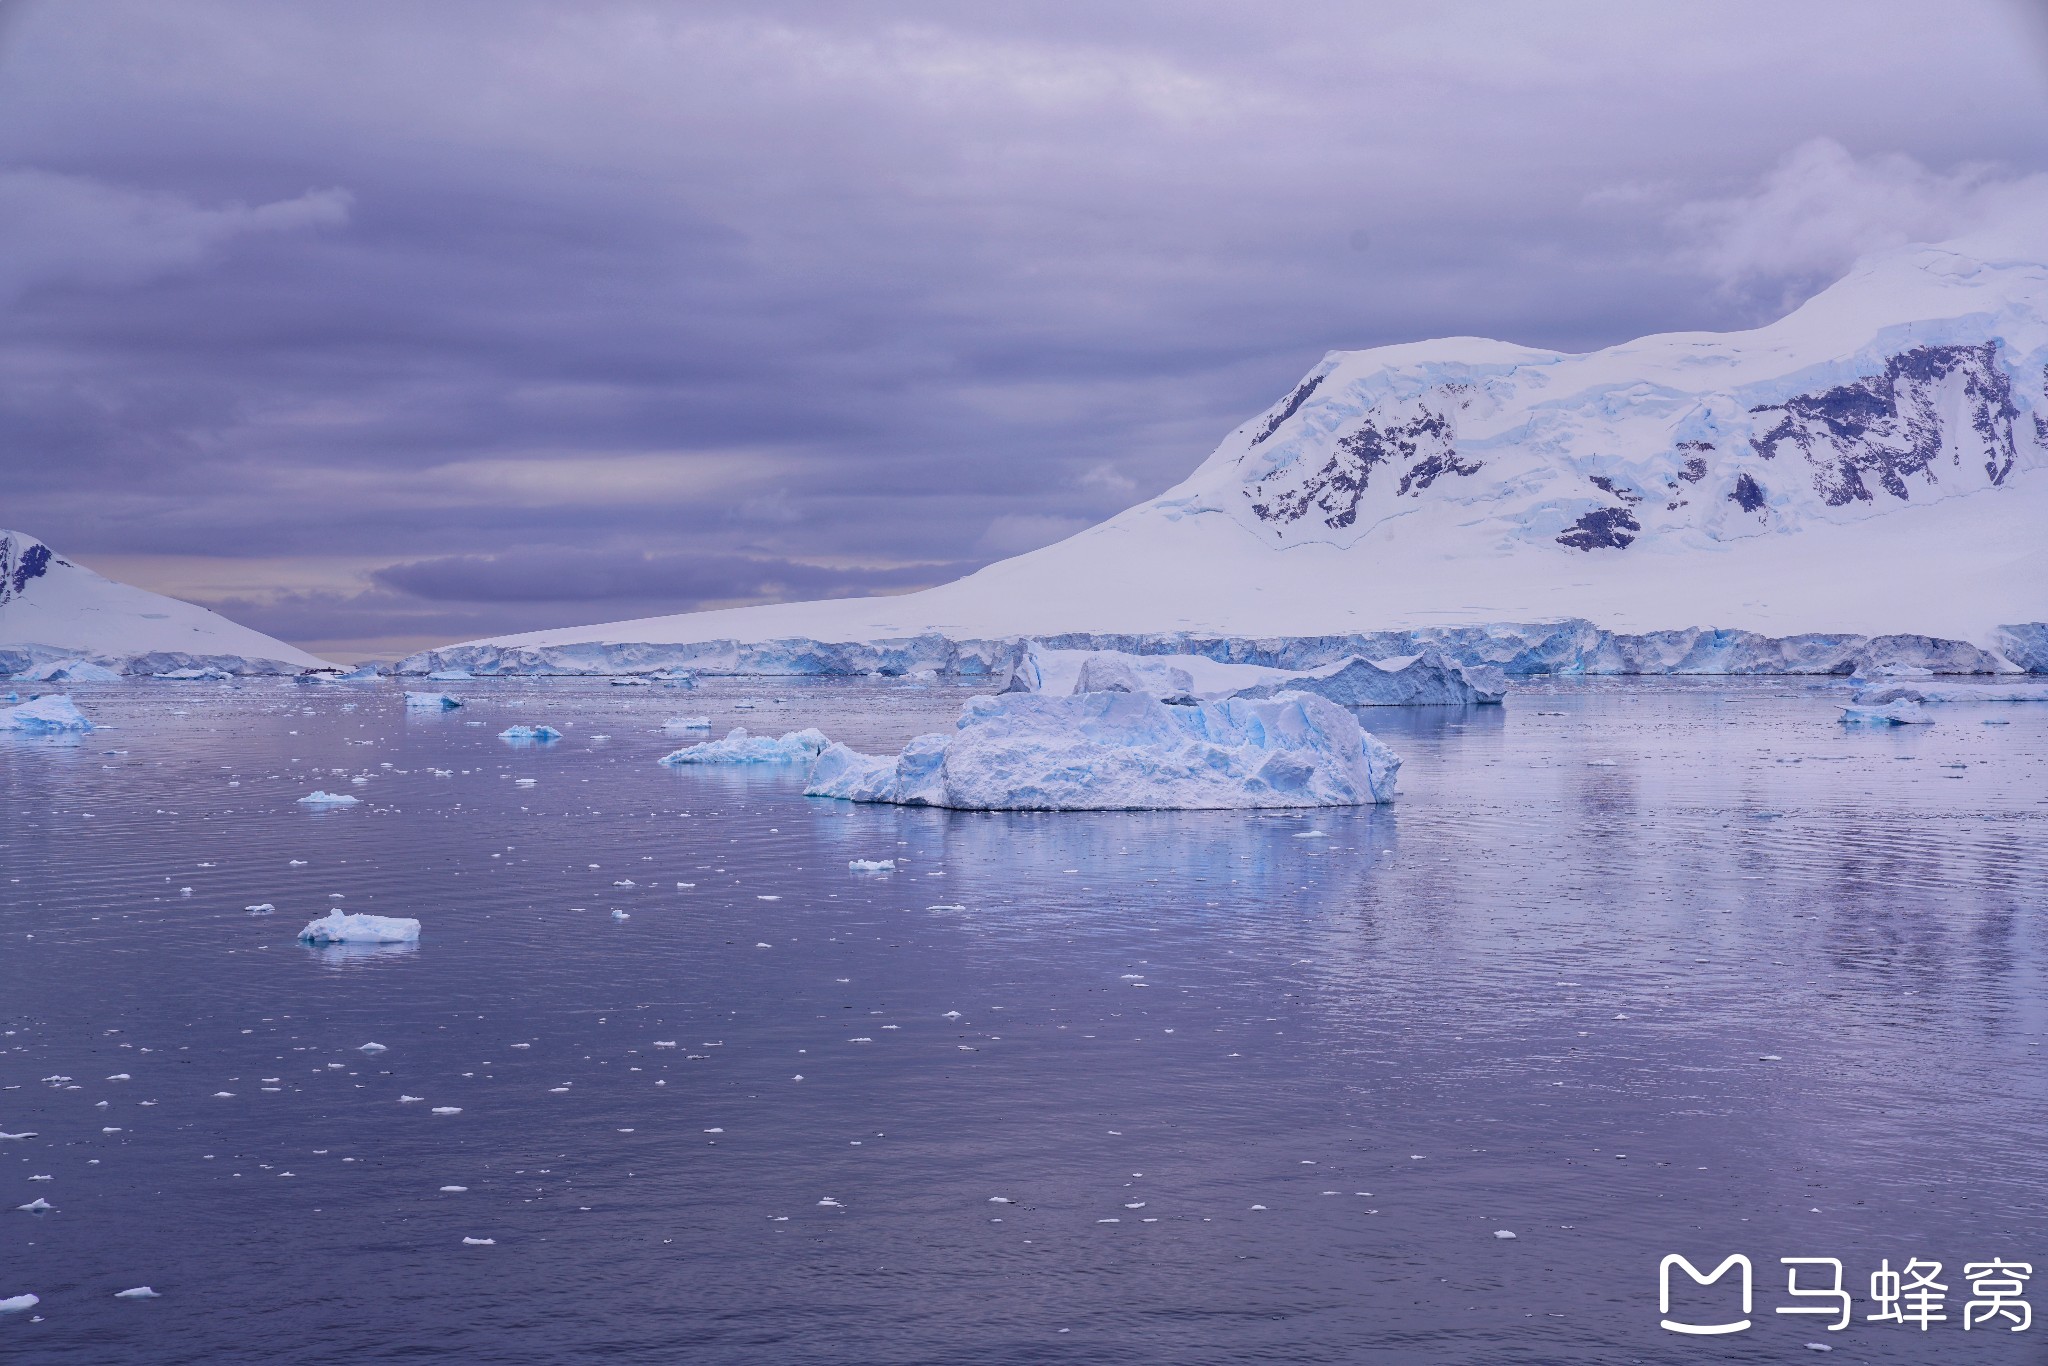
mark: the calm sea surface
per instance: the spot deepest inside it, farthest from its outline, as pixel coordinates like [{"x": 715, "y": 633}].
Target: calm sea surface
[{"x": 1631, "y": 969}]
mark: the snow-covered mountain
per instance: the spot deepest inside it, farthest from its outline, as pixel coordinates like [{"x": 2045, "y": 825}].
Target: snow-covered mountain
[
  {"x": 1875, "y": 463},
  {"x": 52, "y": 609}
]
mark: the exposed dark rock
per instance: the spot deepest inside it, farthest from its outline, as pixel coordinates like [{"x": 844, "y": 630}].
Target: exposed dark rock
[
  {"x": 1293, "y": 406},
  {"x": 1611, "y": 528},
  {"x": 1747, "y": 493}
]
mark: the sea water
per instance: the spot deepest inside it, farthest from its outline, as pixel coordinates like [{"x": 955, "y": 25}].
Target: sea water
[{"x": 1630, "y": 969}]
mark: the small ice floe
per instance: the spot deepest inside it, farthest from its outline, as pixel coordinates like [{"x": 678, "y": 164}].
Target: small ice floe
[
  {"x": 632, "y": 681},
  {"x": 829, "y": 1203},
  {"x": 541, "y": 734},
  {"x": 871, "y": 865},
  {"x": 664, "y": 1043},
  {"x": 1769, "y": 1057},
  {"x": 479, "y": 1242},
  {"x": 410, "y": 1100},
  {"x": 621, "y": 915},
  {"x": 1311, "y": 835},
  {"x": 319, "y": 798},
  {"x": 140, "y": 1292},
  {"x": 447, "y": 1109},
  {"x": 52, "y": 715},
  {"x": 18, "y": 1303},
  {"x": 1503, "y": 1233},
  {"x": 28, "y": 1134},
  {"x": 687, "y": 723},
  {"x": 431, "y": 701},
  {"x": 260, "y": 908},
  {"x": 625, "y": 882},
  {"x": 454, "y": 1190},
  {"x": 37, "y": 1206},
  {"x": 373, "y": 1048},
  {"x": 120, "y": 1076},
  {"x": 223, "y": 1095},
  {"x": 738, "y": 747},
  {"x": 336, "y": 928},
  {"x": 1818, "y": 1347},
  {"x": 1904, "y": 712}
]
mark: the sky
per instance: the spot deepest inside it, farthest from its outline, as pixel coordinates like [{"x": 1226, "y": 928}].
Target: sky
[{"x": 378, "y": 325}]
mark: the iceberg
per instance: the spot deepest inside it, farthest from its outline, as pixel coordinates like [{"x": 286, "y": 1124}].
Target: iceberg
[
  {"x": 197, "y": 674},
  {"x": 54, "y": 714},
  {"x": 431, "y": 701},
  {"x": 540, "y": 733},
  {"x": 1427, "y": 679},
  {"x": 871, "y": 865},
  {"x": 449, "y": 675},
  {"x": 1904, "y": 712},
  {"x": 687, "y": 723},
  {"x": 318, "y": 798},
  {"x": 1932, "y": 693},
  {"x": 738, "y": 747},
  {"x": 71, "y": 671},
  {"x": 1117, "y": 751},
  {"x": 336, "y": 928},
  {"x": 15, "y": 1304}
]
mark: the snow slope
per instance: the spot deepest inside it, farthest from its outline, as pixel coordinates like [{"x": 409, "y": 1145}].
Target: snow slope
[
  {"x": 1874, "y": 463},
  {"x": 51, "y": 608}
]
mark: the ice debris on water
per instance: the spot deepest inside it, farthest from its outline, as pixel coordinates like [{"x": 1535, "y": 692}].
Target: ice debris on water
[
  {"x": 37, "y": 1206},
  {"x": 373, "y": 1048},
  {"x": 260, "y": 908},
  {"x": 738, "y": 747},
  {"x": 17, "y": 1303},
  {"x": 543, "y": 734},
  {"x": 29, "y": 1134},
  {"x": 140, "y": 1292},
  {"x": 336, "y": 928},
  {"x": 319, "y": 798},
  {"x": 621, "y": 915},
  {"x": 55, "y": 714},
  {"x": 479, "y": 1242},
  {"x": 871, "y": 865},
  {"x": 1124, "y": 751},
  {"x": 431, "y": 701},
  {"x": 447, "y": 1109},
  {"x": 1503, "y": 1233},
  {"x": 687, "y": 723}
]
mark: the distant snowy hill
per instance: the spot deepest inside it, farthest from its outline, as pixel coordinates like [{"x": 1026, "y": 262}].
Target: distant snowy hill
[
  {"x": 52, "y": 609},
  {"x": 1874, "y": 463}
]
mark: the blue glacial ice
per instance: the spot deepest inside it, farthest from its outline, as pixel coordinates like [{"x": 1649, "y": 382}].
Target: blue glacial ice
[
  {"x": 336, "y": 928},
  {"x": 1109, "y": 751},
  {"x": 738, "y": 747},
  {"x": 543, "y": 734},
  {"x": 318, "y": 798},
  {"x": 1903, "y": 712},
  {"x": 54, "y": 714}
]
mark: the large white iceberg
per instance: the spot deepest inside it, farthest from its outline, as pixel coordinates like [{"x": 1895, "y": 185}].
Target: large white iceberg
[
  {"x": 336, "y": 928},
  {"x": 738, "y": 747},
  {"x": 1423, "y": 678},
  {"x": 1419, "y": 680},
  {"x": 71, "y": 671},
  {"x": 431, "y": 701},
  {"x": 51, "y": 715},
  {"x": 1108, "y": 751}
]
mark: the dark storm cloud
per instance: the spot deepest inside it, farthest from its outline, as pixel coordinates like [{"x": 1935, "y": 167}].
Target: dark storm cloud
[{"x": 717, "y": 293}]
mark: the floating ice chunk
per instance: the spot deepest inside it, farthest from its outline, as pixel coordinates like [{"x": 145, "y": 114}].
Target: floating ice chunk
[
  {"x": 31, "y": 1133},
  {"x": 70, "y": 671},
  {"x": 1125, "y": 751},
  {"x": 687, "y": 723},
  {"x": 140, "y": 1292},
  {"x": 55, "y": 714},
  {"x": 373, "y": 1048},
  {"x": 454, "y": 1190},
  {"x": 431, "y": 701},
  {"x": 410, "y": 1100},
  {"x": 319, "y": 798},
  {"x": 223, "y": 1095},
  {"x": 447, "y": 1109},
  {"x": 18, "y": 1303},
  {"x": 871, "y": 865},
  {"x": 1503, "y": 1233},
  {"x": 37, "y": 1206},
  {"x": 120, "y": 1076},
  {"x": 621, "y": 915},
  {"x": 479, "y": 1242},
  {"x": 738, "y": 747},
  {"x": 260, "y": 908},
  {"x": 543, "y": 734},
  {"x": 1900, "y": 713},
  {"x": 336, "y": 928}
]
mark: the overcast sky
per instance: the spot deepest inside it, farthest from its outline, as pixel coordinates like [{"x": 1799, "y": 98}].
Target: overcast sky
[{"x": 378, "y": 325}]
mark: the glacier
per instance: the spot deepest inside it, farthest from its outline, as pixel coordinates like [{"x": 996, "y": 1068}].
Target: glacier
[
  {"x": 1423, "y": 679},
  {"x": 54, "y": 610},
  {"x": 52, "y": 714},
  {"x": 1862, "y": 480},
  {"x": 1116, "y": 751},
  {"x": 337, "y": 928},
  {"x": 738, "y": 747}
]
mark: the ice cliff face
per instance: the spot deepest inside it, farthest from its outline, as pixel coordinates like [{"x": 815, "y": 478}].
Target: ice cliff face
[{"x": 1686, "y": 438}]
